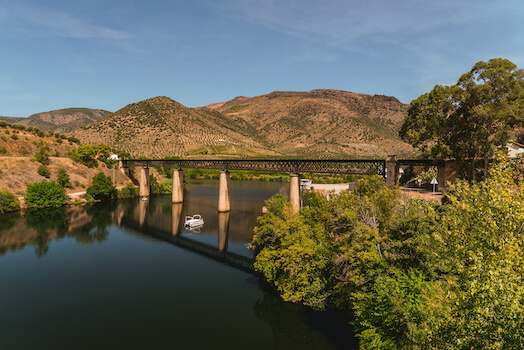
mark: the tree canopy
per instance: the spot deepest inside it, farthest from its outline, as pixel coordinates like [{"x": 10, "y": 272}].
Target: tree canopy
[
  {"x": 471, "y": 119},
  {"x": 102, "y": 187},
  {"x": 45, "y": 194}
]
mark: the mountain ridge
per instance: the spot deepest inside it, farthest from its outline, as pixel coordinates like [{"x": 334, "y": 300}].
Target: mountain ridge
[{"x": 281, "y": 123}]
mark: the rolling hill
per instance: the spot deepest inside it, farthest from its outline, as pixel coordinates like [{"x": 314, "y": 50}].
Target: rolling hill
[
  {"x": 64, "y": 120},
  {"x": 292, "y": 124}
]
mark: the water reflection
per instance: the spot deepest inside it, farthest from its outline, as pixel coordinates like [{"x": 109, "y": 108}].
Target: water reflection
[{"x": 148, "y": 294}]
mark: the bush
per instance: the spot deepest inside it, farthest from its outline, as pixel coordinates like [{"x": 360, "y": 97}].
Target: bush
[
  {"x": 45, "y": 194},
  {"x": 8, "y": 202},
  {"x": 44, "y": 171},
  {"x": 102, "y": 187},
  {"x": 129, "y": 191},
  {"x": 63, "y": 178},
  {"x": 42, "y": 156},
  {"x": 3, "y": 150}
]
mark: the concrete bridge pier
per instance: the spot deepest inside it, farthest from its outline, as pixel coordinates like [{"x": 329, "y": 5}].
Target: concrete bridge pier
[
  {"x": 294, "y": 193},
  {"x": 223, "y": 230},
  {"x": 145, "y": 185},
  {"x": 223, "y": 194},
  {"x": 178, "y": 186}
]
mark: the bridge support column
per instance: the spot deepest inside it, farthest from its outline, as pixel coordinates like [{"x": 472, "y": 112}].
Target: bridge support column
[
  {"x": 294, "y": 193},
  {"x": 178, "y": 186},
  {"x": 144, "y": 182},
  {"x": 392, "y": 171},
  {"x": 223, "y": 194}
]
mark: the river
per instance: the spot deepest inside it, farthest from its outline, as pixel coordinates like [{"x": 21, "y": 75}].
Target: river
[{"x": 127, "y": 275}]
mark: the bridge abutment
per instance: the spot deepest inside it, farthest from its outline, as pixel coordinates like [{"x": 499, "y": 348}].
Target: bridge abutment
[
  {"x": 144, "y": 188},
  {"x": 178, "y": 186},
  {"x": 294, "y": 193},
  {"x": 223, "y": 192},
  {"x": 392, "y": 171}
]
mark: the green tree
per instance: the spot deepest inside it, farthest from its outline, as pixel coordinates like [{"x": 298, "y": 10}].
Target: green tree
[
  {"x": 8, "y": 202},
  {"x": 102, "y": 187},
  {"x": 63, "y": 178},
  {"x": 471, "y": 119},
  {"x": 45, "y": 194}
]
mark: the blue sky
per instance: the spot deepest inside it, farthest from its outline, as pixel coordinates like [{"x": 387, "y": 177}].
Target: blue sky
[{"x": 106, "y": 54}]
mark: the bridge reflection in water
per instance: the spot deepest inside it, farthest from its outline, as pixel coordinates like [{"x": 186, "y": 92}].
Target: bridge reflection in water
[{"x": 139, "y": 222}]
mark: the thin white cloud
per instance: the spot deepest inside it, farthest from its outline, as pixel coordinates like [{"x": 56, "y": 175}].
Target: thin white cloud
[
  {"x": 342, "y": 23},
  {"x": 24, "y": 20}
]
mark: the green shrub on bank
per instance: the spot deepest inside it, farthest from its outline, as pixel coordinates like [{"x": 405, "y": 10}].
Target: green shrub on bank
[
  {"x": 102, "y": 187},
  {"x": 45, "y": 194},
  {"x": 129, "y": 191},
  {"x": 8, "y": 202}
]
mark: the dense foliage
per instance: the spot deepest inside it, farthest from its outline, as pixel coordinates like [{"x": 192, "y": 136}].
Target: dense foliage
[
  {"x": 102, "y": 187},
  {"x": 129, "y": 191},
  {"x": 88, "y": 154},
  {"x": 8, "y": 202},
  {"x": 471, "y": 119},
  {"x": 415, "y": 274},
  {"x": 45, "y": 194}
]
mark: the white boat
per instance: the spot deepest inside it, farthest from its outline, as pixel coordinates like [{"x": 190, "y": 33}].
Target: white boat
[{"x": 194, "y": 221}]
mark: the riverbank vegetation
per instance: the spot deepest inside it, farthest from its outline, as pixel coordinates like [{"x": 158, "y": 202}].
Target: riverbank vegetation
[{"x": 414, "y": 274}]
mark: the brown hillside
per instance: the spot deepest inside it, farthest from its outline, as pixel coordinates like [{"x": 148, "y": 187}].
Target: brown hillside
[
  {"x": 64, "y": 120},
  {"x": 160, "y": 127},
  {"x": 300, "y": 123},
  {"x": 18, "y": 169}
]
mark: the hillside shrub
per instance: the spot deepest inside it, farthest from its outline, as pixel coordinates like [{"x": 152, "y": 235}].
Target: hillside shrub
[
  {"x": 44, "y": 171},
  {"x": 45, "y": 194},
  {"x": 42, "y": 156},
  {"x": 63, "y": 178},
  {"x": 102, "y": 188},
  {"x": 3, "y": 150},
  {"x": 8, "y": 202}
]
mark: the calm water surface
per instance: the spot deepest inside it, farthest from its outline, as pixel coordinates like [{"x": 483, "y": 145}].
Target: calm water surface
[{"x": 128, "y": 276}]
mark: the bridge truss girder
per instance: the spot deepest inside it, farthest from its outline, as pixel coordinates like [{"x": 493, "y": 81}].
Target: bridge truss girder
[{"x": 313, "y": 166}]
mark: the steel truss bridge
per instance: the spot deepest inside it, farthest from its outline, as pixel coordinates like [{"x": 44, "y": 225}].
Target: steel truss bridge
[{"x": 293, "y": 166}]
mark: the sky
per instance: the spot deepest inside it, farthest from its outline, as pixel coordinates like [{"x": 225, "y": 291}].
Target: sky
[{"x": 107, "y": 54}]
